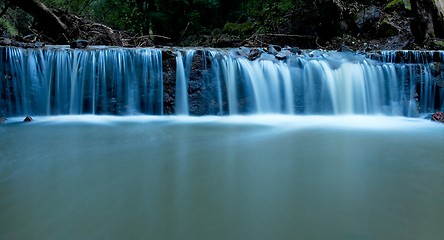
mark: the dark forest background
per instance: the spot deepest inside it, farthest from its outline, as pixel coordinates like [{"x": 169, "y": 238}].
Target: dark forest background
[{"x": 396, "y": 24}]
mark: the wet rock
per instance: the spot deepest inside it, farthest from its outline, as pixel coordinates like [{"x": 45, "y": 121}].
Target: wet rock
[
  {"x": 367, "y": 18},
  {"x": 437, "y": 44},
  {"x": 5, "y": 42},
  {"x": 254, "y": 54},
  {"x": 273, "y": 49},
  {"x": 438, "y": 117},
  {"x": 169, "y": 80},
  {"x": 345, "y": 48},
  {"x": 281, "y": 56},
  {"x": 2, "y": 120},
  {"x": 39, "y": 45},
  {"x": 79, "y": 43},
  {"x": 436, "y": 69},
  {"x": 398, "y": 5},
  {"x": 28, "y": 119},
  {"x": 387, "y": 29},
  {"x": 14, "y": 43},
  {"x": 296, "y": 50},
  {"x": 33, "y": 45}
]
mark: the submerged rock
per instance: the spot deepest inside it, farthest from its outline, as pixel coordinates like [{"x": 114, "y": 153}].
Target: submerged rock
[
  {"x": 14, "y": 43},
  {"x": 273, "y": 49},
  {"x": 438, "y": 117},
  {"x": 254, "y": 54},
  {"x": 28, "y": 119},
  {"x": 79, "y": 43}
]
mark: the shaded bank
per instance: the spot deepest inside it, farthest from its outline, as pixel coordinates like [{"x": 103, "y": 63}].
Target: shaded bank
[{"x": 363, "y": 25}]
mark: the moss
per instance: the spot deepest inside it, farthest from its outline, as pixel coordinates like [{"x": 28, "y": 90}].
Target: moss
[
  {"x": 387, "y": 29},
  {"x": 237, "y": 28},
  {"x": 8, "y": 27},
  {"x": 397, "y": 5},
  {"x": 438, "y": 44}
]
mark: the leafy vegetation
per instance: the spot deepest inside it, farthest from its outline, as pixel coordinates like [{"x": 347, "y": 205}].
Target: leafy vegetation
[
  {"x": 178, "y": 22},
  {"x": 174, "y": 18},
  {"x": 8, "y": 27}
]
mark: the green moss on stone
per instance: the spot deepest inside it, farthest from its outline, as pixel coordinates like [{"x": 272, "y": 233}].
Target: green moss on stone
[
  {"x": 398, "y": 4},
  {"x": 438, "y": 45},
  {"x": 386, "y": 29}
]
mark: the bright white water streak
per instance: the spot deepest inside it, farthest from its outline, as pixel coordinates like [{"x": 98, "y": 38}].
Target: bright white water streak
[
  {"x": 58, "y": 81},
  {"x": 183, "y": 69},
  {"x": 248, "y": 177}
]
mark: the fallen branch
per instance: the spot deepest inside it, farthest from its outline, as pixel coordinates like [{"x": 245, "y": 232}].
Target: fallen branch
[
  {"x": 184, "y": 31},
  {"x": 285, "y": 35},
  {"x": 149, "y": 36}
]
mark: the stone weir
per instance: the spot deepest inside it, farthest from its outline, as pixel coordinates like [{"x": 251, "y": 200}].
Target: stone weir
[{"x": 57, "y": 80}]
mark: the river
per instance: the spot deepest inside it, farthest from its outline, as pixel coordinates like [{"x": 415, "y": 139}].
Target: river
[{"x": 234, "y": 177}]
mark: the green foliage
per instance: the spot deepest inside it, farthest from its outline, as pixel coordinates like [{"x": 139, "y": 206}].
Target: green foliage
[
  {"x": 438, "y": 44},
  {"x": 179, "y": 19},
  {"x": 9, "y": 27},
  {"x": 15, "y": 21},
  {"x": 238, "y": 29},
  {"x": 269, "y": 15}
]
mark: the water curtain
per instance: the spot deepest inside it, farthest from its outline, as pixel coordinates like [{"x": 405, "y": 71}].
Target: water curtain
[{"x": 120, "y": 81}]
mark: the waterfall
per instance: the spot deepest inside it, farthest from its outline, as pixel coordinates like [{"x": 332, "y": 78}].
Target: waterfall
[
  {"x": 97, "y": 81},
  {"x": 183, "y": 69},
  {"x": 121, "y": 81}
]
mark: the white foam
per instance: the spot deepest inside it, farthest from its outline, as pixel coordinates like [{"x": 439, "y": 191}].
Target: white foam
[{"x": 272, "y": 120}]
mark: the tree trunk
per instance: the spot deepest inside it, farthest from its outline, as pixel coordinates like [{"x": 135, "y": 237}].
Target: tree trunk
[
  {"x": 422, "y": 22},
  {"x": 438, "y": 18},
  {"x": 47, "y": 21}
]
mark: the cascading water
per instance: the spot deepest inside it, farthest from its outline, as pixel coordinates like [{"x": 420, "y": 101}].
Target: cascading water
[
  {"x": 64, "y": 81},
  {"x": 329, "y": 83},
  {"x": 183, "y": 69},
  {"x": 181, "y": 177},
  {"x": 129, "y": 81}
]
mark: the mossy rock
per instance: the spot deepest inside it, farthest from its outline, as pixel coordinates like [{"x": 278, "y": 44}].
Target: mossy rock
[
  {"x": 438, "y": 44},
  {"x": 396, "y": 5},
  {"x": 387, "y": 29}
]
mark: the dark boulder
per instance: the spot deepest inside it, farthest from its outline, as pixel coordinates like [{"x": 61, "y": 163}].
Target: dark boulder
[
  {"x": 367, "y": 19},
  {"x": 28, "y": 119},
  {"x": 388, "y": 28},
  {"x": 254, "y": 54},
  {"x": 273, "y": 49},
  {"x": 438, "y": 117},
  {"x": 5, "y": 42},
  {"x": 169, "y": 80},
  {"x": 79, "y": 43}
]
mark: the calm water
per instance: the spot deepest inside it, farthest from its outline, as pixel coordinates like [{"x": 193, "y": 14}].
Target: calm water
[{"x": 268, "y": 177}]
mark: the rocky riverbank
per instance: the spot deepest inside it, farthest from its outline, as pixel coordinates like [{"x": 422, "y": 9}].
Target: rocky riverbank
[{"x": 331, "y": 24}]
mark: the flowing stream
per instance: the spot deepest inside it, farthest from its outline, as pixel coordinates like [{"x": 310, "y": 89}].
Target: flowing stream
[
  {"x": 119, "y": 81},
  {"x": 206, "y": 144}
]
